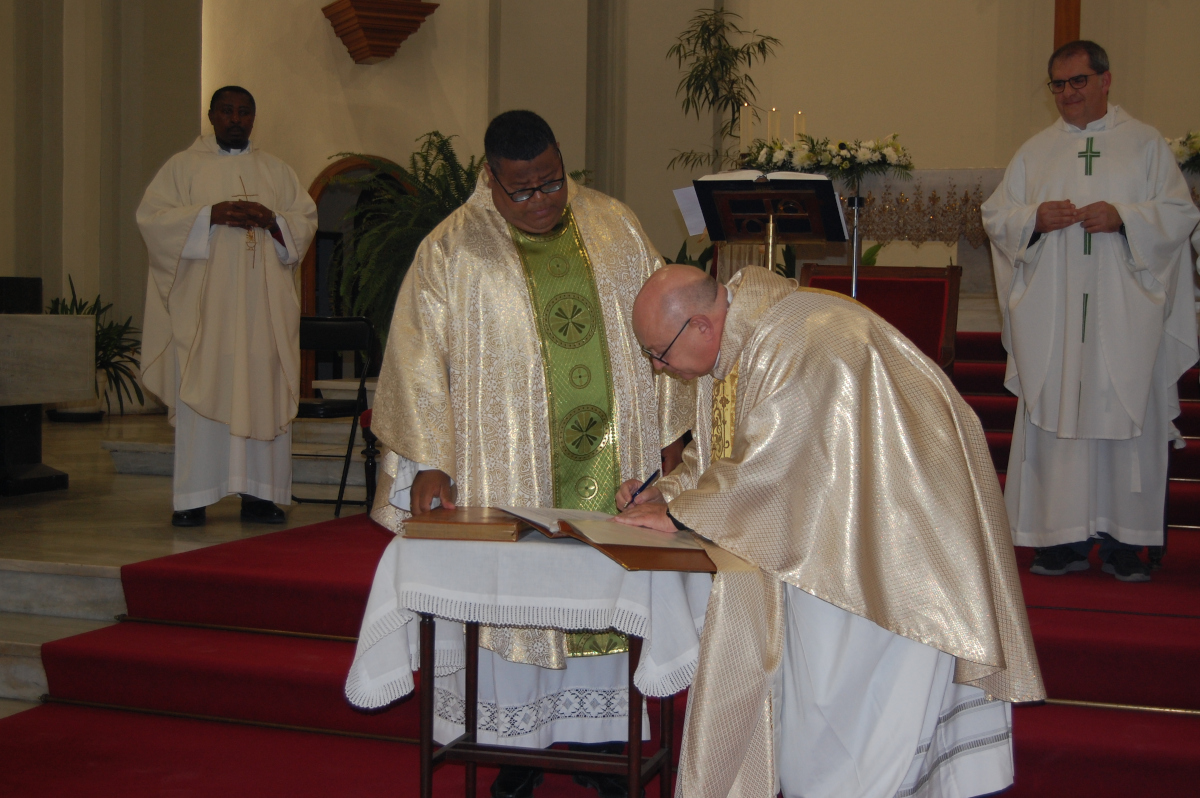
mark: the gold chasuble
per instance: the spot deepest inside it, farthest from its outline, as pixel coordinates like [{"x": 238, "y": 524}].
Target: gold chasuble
[
  {"x": 512, "y": 366},
  {"x": 856, "y": 474}
]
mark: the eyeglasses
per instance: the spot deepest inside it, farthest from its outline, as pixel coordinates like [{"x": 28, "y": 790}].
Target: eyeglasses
[
  {"x": 662, "y": 358},
  {"x": 546, "y": 188},
  {"x": 1077, "y": 82}
]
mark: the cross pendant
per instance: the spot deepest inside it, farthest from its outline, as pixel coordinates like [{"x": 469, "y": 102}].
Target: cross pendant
[{"x": 1089, "y": 155}]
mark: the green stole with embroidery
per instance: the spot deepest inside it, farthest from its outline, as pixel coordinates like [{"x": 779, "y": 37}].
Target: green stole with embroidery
[{"x": 583, "y": 435}]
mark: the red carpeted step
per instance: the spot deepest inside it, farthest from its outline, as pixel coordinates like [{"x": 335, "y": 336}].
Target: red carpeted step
[
  {"x": 312, "y": 579},
  {"x": 1189, "y": 384},
  {"x": 1173, "y": 590},
  {"x": 1188, "y": 421},
  {"x": 1118, "y": 658},
  {"x": 979, "y": 377},
  {"x": 1103, "y": 753},
  {"x": 240, "y": 675},
  {"x": 64, "y": 751},
  {"x": 1185, "y": 462},
  {"x": 995, "y": 412},
  {"x": 998, "y": 444},
  {"x": 1183, "y": 503},
  {"x": 979, "y": 346},
  {"x": 55, "y": 750}
]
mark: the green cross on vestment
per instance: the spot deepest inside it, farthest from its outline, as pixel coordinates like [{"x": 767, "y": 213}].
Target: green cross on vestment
[
  {"x": 1087, "y": 243},
  {"x": 1088, "y": 155}
]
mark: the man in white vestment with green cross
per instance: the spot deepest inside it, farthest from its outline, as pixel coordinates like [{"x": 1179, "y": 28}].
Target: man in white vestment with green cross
[{"x": 1090, "y": 244}]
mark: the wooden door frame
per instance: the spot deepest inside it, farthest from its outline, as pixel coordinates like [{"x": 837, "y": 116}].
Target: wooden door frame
[{"x": 308, "y": 265}]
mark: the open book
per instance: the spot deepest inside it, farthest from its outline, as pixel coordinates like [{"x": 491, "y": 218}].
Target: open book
[{"x": 634, "y": 548}]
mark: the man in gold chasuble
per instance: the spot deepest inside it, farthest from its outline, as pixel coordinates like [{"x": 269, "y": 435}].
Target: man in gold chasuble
[
  {"x": 865, "y": 633},
  {"x": 512, "y": 377}
]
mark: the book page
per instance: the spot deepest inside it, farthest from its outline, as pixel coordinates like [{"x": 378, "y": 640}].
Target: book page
[
  {"x": 614, "y": 534},
  {"x": 548, "y": 517}
]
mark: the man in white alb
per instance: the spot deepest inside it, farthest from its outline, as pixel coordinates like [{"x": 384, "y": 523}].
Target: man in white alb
[
  {"x": 1089, "y": 232},
  {"x": 225, "y": 225}
]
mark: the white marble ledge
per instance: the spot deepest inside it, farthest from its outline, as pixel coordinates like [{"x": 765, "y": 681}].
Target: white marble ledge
[
  {"x": 64, "y": 568},
  {"x": 23, "y": 634}
]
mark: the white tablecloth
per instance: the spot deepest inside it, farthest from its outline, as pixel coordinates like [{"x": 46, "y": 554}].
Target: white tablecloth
[{"x": 536, "y": 582}]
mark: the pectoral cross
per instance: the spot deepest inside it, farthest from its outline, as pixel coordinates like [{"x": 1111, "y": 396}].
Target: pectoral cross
[
  {"x": 251, "y": 243},
  {"x": 1089, "y": 155}
]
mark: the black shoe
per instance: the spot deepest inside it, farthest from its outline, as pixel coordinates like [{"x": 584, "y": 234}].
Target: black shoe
[
  {"x": 608, "y": 785},
  {"x": 1126, "y": 566},
  {"x": 261, "y": 511},
  {"x": 1057, "y": 560},
  {"x": 193, "y": 517},
  {"x": 515, "y": 782}
]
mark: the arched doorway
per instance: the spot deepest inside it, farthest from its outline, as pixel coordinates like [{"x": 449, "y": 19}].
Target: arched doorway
[{"x": 333, "y": 201}]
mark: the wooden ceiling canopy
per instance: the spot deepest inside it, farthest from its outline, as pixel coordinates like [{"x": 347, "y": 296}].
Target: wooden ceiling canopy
[{"x": 372, "y": 30}]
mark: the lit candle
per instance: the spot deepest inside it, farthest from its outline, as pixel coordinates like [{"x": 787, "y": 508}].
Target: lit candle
[
  {"x": 773, "y": 125},
  {"x": 747, "y": 128},
  {"x": 798, "y": 126}
]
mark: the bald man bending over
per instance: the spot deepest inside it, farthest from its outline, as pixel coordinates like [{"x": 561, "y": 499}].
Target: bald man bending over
[{"x": 870, "y": 634}]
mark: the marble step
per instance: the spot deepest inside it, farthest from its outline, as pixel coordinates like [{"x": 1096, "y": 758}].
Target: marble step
[
  {"x": 22, "y": 677},
  {"x": 317, "y": 451},
  {"x": 11, "y": 706},
  {"x": 62, "y": 590}
]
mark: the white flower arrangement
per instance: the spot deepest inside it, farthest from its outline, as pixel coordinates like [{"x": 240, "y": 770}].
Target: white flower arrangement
[
  {"x": 1187, "y": 151},
  {"x": 847, "y": 161}
]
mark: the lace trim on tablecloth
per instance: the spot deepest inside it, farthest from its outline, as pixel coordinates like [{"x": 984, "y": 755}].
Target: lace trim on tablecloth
[{"x": 517, "y": 721}]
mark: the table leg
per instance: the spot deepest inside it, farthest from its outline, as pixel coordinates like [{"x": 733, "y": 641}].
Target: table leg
[
  {"x": 427, "y": 644},
  {"x": 471, "y": 710},
  {"x": 666, "y": 734},
  {"x": 635, "y": 721}
]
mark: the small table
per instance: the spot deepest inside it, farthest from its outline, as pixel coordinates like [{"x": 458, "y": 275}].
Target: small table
[
  {"x": 419, "y": 582},
  {"x": 464, "y": 749}
]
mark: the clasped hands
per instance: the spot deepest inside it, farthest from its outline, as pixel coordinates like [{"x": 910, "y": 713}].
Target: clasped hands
[
  {"x": 647, "y": 509},
  {"x": 246, "y": 215},
  {"x": 1099, "y": 217}
]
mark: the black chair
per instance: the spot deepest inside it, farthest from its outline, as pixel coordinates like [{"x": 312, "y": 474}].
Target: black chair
[{"x": 337, "y": 334}]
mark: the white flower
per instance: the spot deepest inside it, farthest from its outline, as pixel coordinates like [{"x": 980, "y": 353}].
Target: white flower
[
  {"x": 837, "y": 159},
  {"x": 870, "y": 145},
  {"x": 1179, "y": 149},
  {"x": 891, "y": 155},
  {"x": 864, "y": 155},
  {"x": 764, "y": 155},
  {"x": 779, "y": 157}
]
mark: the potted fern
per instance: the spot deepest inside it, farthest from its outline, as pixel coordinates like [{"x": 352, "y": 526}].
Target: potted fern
[{"x": 117, "y": 351}]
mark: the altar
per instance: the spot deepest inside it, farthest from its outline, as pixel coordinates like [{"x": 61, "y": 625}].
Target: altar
[{"x": 43, "y": 358}]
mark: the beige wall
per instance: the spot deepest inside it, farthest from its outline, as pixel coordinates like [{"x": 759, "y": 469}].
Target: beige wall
[
  {"x": 540, "y": 63},
  {"x": 97, "y": 95},
  {"x": 314, "y": 101},
  {"x": 963, "y": 82}
]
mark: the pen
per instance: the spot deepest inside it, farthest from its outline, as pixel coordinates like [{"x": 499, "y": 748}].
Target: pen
[{"x": 645, "y": 485}]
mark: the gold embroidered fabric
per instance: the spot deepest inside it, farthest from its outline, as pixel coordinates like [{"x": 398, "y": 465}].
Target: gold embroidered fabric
[
  {"x": 462, "y": 386},
  {"x": 859, "y": 475},
  {"x": 723, "y": 403}
]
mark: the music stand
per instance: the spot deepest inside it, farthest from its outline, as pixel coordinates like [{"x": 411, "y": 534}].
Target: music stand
[{"x": 750, "y": 207}]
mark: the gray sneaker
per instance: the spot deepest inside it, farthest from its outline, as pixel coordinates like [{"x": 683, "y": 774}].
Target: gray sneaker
[
  {"x": 1126, "y": 566},
  {"x": 1057, "y": 560}
]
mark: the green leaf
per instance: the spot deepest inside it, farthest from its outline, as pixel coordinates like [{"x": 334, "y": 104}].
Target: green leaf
[{"x": 868, "y": 257}]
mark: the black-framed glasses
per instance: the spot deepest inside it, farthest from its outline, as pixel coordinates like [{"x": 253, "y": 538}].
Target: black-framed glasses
[
  {"x": 1077, "y": 82},
  {"x": 546, "y": 188},
  {"x": 662, "y": 358}
]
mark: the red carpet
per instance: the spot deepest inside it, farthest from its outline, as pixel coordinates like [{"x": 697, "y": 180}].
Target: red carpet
[
  {"x": 312, "y": 579},
  {"x": 1174, "y": 590},
  {"x": 240, "y": 675},
  {"x": 1104, "y": 753}
]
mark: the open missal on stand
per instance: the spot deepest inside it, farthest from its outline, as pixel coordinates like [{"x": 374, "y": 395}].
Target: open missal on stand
[{"x": 633, "y": 548}]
